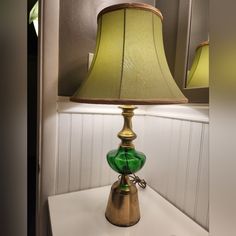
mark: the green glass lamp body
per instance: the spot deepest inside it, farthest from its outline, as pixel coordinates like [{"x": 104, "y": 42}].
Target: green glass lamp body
[
  {"x": 123, "y": 208},
  {"x": 126, "y": 160}
]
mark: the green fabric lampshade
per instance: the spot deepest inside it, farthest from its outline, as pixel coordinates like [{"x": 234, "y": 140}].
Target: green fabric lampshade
[
  {"x": 129, "y": 65},
  {"x": 199, "y": 72}
]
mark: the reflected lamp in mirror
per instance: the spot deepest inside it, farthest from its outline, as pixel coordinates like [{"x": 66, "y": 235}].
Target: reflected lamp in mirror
[
  {"x": 198, "y": 76},
  {"x": 129, "y": 68},
  {"x": 33, "y": 16}
]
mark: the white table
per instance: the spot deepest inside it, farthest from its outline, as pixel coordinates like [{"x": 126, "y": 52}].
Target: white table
[{"x": 82, "y": 213}]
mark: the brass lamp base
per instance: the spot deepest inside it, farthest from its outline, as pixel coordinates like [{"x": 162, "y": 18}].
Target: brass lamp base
[{"x": 123, "y": 206}]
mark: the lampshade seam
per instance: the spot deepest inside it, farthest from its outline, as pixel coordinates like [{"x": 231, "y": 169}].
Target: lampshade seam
[{"x": 123, "y": 52}]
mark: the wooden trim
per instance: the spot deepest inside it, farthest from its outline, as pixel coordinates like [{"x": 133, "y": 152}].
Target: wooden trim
[
  {"x": 142, "y": 6},
  {"x": 48, "y": 90}
]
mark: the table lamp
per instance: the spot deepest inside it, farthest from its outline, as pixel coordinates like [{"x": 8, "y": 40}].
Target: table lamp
[
  {"x": 129, "y": 68},
  {"x": 199, "y": 72}
]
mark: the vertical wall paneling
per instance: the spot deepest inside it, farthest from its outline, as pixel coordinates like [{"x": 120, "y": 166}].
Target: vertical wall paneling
[
  {"x": 76, "y": 151},
  {"x": 202, "y": 203},
  {"x": 63, "y": 162},
  {"x": 152, "y": 134},
  {"x": 117, "y": 124},
  {"x": 161, "y": 142},
  {"x": 176, "y": 150},
  {"x": 157, "y": 136},
  {"x": 194, "y": 154},
  {"x": 185, "y": 134},
  {"x": 97, "y": 151},
  {"x": 86, "y": 155},
  {"x": 177, "y": 163},
  {"x": 107, "y": 146},
  {"x": 173, "y": 158},
  {"x": 139, "y": 129}
]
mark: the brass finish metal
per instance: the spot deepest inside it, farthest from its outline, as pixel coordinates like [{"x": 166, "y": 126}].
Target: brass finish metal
[
  {"x": 130, "y": 101},
  {"x": 127, "y": 135},
  {"x": 142, "y": 6},
  {"x": 123, "y": 206},
  {"x": 202, "y": 44}
]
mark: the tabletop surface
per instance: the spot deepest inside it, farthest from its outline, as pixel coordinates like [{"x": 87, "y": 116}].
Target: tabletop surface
[{"x": 82, "y": 213}]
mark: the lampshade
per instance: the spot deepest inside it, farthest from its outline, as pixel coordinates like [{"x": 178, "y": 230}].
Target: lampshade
[
  {"x": 129, "y": 65},
  {"x": 199, "y": 72}
]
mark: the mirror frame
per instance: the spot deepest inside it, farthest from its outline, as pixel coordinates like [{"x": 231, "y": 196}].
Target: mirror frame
[{"x": 195, "y": 95}]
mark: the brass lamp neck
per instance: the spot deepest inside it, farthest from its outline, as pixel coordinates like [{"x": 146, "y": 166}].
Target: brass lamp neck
[{"x": 127, "y": 135}]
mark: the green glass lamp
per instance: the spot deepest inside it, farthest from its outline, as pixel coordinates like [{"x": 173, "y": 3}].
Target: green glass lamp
[
  {"x": 199, "y": 73},
  {"x": 129, "y": 68}
]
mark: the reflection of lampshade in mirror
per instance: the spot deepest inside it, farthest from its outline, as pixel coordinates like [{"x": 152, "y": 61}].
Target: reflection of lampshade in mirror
[
  {"x": 33, "y": 17},
  {"x": 199, "y": 72}
]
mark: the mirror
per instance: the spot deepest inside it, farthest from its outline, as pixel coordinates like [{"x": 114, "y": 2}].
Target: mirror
[
  {"x": 192, "y": 37},
  {"x": 198, "y": 51}
]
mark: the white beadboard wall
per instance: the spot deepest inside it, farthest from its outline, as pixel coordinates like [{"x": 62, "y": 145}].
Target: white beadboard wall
[{"x": 175, "y": 143}]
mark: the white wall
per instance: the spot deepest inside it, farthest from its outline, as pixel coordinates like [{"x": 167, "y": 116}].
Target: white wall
[
  {"x": 223, "y": 118},
  {"x": 177, "y": 166},
  {"x": 13, "y": 118},
  {"x": 170, "y": 12}
]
